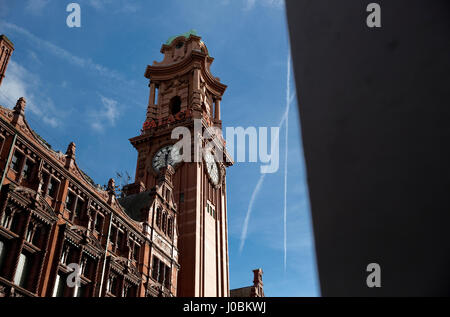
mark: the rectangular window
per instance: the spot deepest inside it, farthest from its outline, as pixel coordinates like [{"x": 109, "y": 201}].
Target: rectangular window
[
  {"x": 89, "y": 268},
  {"x": 168, "y": 193},
  {"x": 164, "y": 223},
  {"x": 36, "y": 239},
  {"x": 136, "y": 252},
  {"x": 156, "y": 95},
  {"x": 99, "y": 223},
  {"x": 45, "y": 179},
  {"x": 211, "y": 209},
  {"x": 52, "y": 188},
  {"x": 23, "y": 267},
  {"x": 80, "y": 291},
  {"x": 15, "y": 223},
  {"x": 119, "y": 239},
  {"x": 167, "y": 277},
  {"x": 170, "y": 228},
  {"x": 125, "y": 290},
  {"x": 111, "y": 286},
  {"x": 2, "y": 141},
  {"x": 58, "y": 289},
  {"x": 161, "y": 272},
  {"x": 16, "y": 161},
  {"x": 161, "y": 275},
  {"x": 2, "y": 253},
  {"x": 27, "y": 169},
  {"x": 65, "y": 254},
  {"x": 120, "y": 242},
  {"x": 155, "y": 269},
  {"x": 79, "y": 207},
  {"x": 158, "y": 217},
  {"x": 30, "y": 232},
  {"x": 70, "y": 201},
  {"x": 6, "y": 219},
  {"x": 113, "y": 236},
  {"x": 131, "y": 291}
]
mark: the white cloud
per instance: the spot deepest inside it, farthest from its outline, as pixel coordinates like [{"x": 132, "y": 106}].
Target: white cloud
[
  {"x": 19, "y": 82},
  {"x": 106, "y": 115},
  {"x": 110, "y": 111},
  {"x": 51, "y": 121},
  {"x": 34, "y": 57},
  {"x": 13, "y": 86},
  {"x": 273, "y": 3},
  {"x": 250, "y": 4},
  {"x": 47, "y": 48},
  {"x": 114, "y": 6},
  {"x": 36, "y": 6},
  {"x": 64, "y": 54}
]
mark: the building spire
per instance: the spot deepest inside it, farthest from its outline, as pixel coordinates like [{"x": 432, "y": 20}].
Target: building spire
[
  {"x": 6, "y": 49},
  {"x": 19, "y": 108},
  {"x": 19, "y": 111},
  {"x": 71, "y": 150}
]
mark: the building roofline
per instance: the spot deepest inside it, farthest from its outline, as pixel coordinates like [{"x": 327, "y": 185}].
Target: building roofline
[{"x": 6, "y": 39}]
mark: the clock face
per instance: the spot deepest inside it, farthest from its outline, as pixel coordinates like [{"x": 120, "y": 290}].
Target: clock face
[
  {"x": 212, "y": 168},
  {"x": 167, "y": 155}
]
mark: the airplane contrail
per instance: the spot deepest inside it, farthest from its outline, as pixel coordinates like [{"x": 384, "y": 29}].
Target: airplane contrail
[
  {"x": 288, "y": 103},
  {"x": 289, "y": 100}
]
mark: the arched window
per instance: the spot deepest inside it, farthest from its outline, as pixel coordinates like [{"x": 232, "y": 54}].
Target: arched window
[
  {"x": 170, "y": 228},
  {"x": 158, "y": 217},
  {"x": 175, "y": 105},
  {"x": 179, "y": 45},
  {"x": 164, "y": 223}
]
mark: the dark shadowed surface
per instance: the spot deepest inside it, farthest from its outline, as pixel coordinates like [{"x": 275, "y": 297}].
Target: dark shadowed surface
[{"x": 375, "y": 115}]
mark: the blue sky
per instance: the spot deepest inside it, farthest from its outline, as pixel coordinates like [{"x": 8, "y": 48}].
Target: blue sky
[{"x": 87, "y": 85}]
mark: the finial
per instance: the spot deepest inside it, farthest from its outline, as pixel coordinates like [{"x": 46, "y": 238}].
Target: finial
[
  {"x": 257, "y": 276},
  {"x": 71, "y": 149},
  {"x": 111, "y": 186},
  {"x": 20, "y": 106},
  {"x": 166, "y": 173}
]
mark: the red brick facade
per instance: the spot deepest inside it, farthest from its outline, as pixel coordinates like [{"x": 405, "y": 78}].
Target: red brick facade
[
  {"x": 256, "y": 290},
  {"x": 182, "y": 89},
  {"x": 166, "y": 235},
  {"x": 6, "y": 50},
  {"x": 52, "y": 216}
]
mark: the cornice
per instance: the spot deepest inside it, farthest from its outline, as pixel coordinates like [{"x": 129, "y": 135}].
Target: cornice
[
  {"x": 50, "y": 157},
  {"x": 196, "y": 59}
]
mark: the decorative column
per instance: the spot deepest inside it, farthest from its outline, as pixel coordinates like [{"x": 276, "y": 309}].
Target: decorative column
[
  {"x": 217, "y": 110},
  {"x": 151, "y": 109},
  {"x": 196, "y": 98}
]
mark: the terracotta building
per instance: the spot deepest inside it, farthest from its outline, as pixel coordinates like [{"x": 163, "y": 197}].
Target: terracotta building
[
  {"x": 166, "y": 235},
  {"x": 256, "y": 290},
  {"x": 6, "y": 49}
]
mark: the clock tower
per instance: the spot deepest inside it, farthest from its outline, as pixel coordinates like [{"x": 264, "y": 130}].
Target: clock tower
[{"x": 183, "y": 92}]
